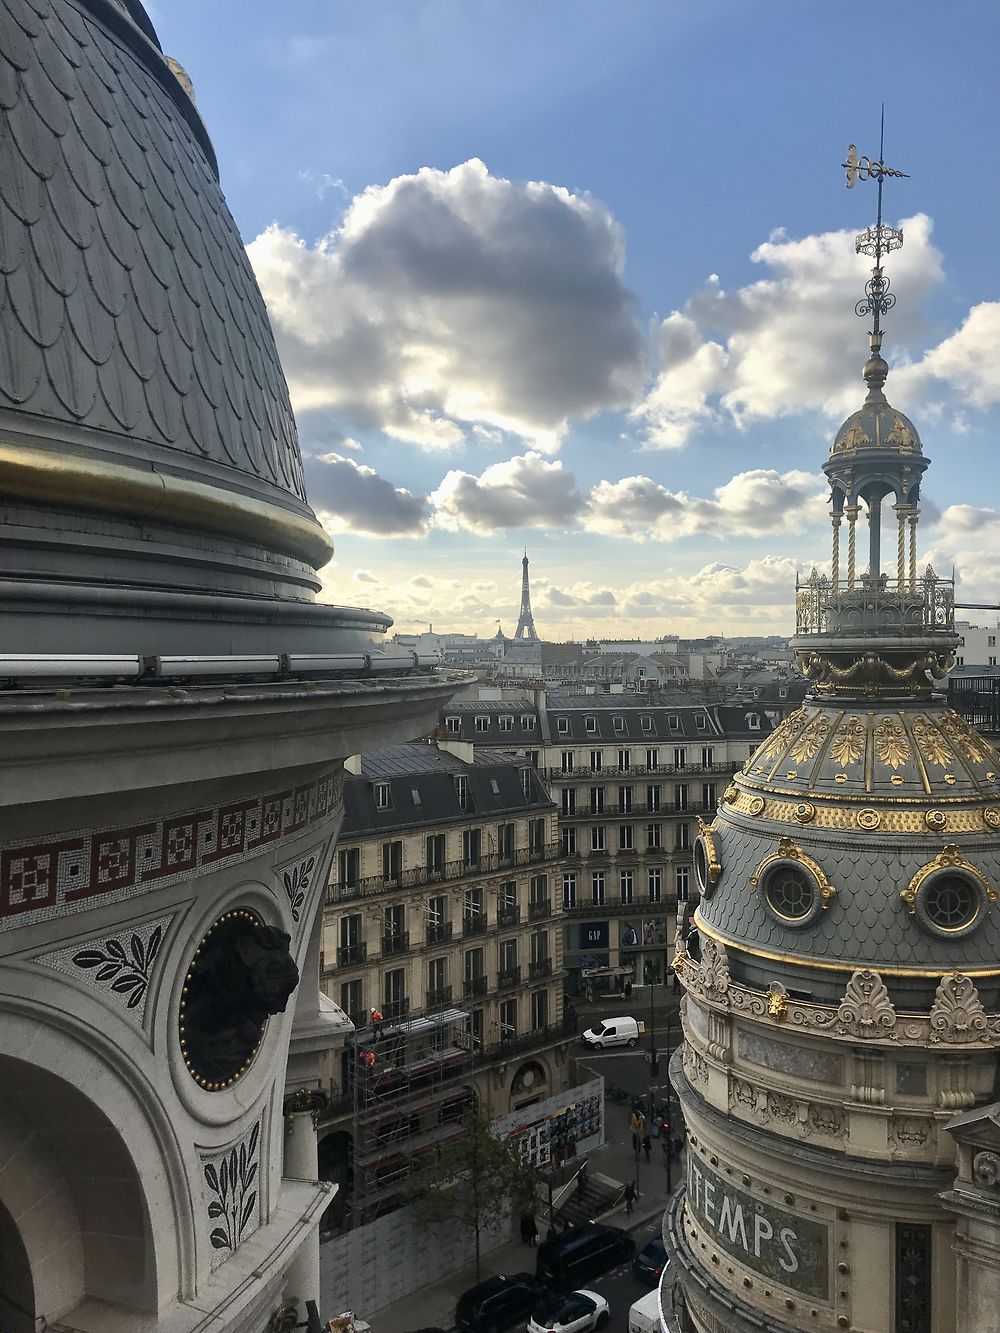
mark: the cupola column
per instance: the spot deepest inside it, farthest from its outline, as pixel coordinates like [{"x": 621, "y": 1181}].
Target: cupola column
[
  {"x": 835, "y": 562},
  {"x": 875, "y": 537},
  {"x": 902, "y": 511},
  {"x": 852, "y": 522},
  {"x": 914, "y": 514}
]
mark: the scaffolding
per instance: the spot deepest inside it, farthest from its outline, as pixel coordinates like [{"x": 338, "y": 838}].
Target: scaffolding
[{"x": 411, "y": 1089}]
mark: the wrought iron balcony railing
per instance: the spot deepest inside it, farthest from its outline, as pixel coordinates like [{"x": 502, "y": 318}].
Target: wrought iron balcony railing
[
  {"x": 348, "y": 954},
  {"x": 475, "y": 986},
  {"x": 438, "y": 932},
  {"x": 474, "y": 925},
  {"x": 418, "y": 876},
  {"x": 539, "y": 967},
  {"x": 395, "y": 944},
  {"x": 583, "y": 771},
  {"x": 539, "y": 909},
  {"x": 508, "y": 916},
  {"x": 437, "y": 998},
  {"x": 905, "y": 607},
  {"x": 510, "y": 979}
]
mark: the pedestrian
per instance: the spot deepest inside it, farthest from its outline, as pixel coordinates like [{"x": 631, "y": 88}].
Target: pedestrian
[
  {"x": 629, "y": 1198},
  {"x": 524, "y": 1229},
  {"x": 532, "y": 1230},
  {"x": 628, "y": 989},
  {"x": 647, "y": 1145}
]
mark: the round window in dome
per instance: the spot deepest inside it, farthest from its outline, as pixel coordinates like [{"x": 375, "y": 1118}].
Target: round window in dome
[
  {"x": 701, "y": 867},
  {"x": 790, "y": 892},
  {"x": 707, "y": 866},
  {"x": 949, "y": 903}
]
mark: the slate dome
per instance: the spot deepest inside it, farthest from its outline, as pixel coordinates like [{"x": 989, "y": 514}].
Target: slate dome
[
  {"x": 877, "y": 424},
  {"x": 138, "y": 370}
]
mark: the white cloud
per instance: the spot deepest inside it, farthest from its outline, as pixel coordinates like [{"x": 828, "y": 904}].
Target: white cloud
[
  {"x": 351, "y": 497},
  {"x": 453, "y": 298},
  {"x": 788, "y": 343},
  {"x": 967, "y": 360},
  {"x": 523, "y": 492}
]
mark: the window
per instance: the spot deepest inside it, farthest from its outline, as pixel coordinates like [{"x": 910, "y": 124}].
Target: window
[
  {"x": 991, "y": 661},
  {"x": 624, "y": 760},
  {"x": 506, "y": 722},
  {"x": 681, "y": 796},
  {"x": 437, "y": 980},
  {"x": 505, "y": 843},
  {"x": 681, "y": 883},
  {"x": 597, "y": 800},
  {"x": 646, "y": 723},
  {"x": 991, "y": 641},
  {"x": 538, "y": 946},
  {"x": 790, "y": 892},
  {"x": 528, "y": 721},
  {"x": 652, "y": 798},
  {"x": 462, "y": 791},
  {"x": 652, "y": 759},
  {"x": 682, "y": 836},
  {"x": 350, "y": 868},
  {"x": 415, "y": 796},
  {"x": 708, "y": 795},
  {"x": 674, "y": 722},
  {"x": 507, "y": 909},
  {"x": 625, "y": 800},
  {"x": 395, "y": 990},
  {"x": 706, "y": 756},
  {"x": 453, "y": 723},
  {"x": 437, "y": 918},
  {"x": 472, "y": 846},
  {"x": 508, "y": 1020},
  {"x": 753, "y": 721},
  {"x": 482, "y": 723},
  {"x": 474, "y": 972},
  {"x": 782, "y": 693},
  {"x": 619, "y": 724},
  {"x": 352, "y": 999},
  {"x": 435, "y": 853},
  {"x": 680, "y": 756},
  {"x": 653, "y": 837},
  {"x": 567, "y": 761},
  {"x": 626, "y": 842},
  {"x": 568, "y": 799},
  {"x": 351, "y": 948},
  {"x": 393, "y": 921},
  {"x": 597, "y": 838},
  {"x": 590, "y": 726},
  {"x": 597, "y": 888},
  {"x": 701, "y": 722},
  {"x": 539, "y": 888},
  {"x": 508, "y": 957},
  {"x": 472, "y": 906},
  {"x": 568, "y": 836},
  {"x": 494, "y": 787},
  {"x": 569, "y": 890},
  {"x": 539, "y": 1010},
  {"x": 626, "y": 885},
  {"x": 654, "y": 884},
  {"x": 596, "y": 760},
  {"x": 562, "y": 726},
  {"x": 536, "y": 837},
  {"x": 526, "y": 783},
  {"x": 383, "y": 796},
  {"x": 392, "y": 861},
  {"x": 474, "y": 1027}
]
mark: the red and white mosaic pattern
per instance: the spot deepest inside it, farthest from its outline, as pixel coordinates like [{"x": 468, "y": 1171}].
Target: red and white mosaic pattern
[{"x": 46, "y": 879}]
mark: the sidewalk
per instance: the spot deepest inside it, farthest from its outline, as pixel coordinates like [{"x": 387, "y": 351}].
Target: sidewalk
[{"x": 434, "y": 1306}]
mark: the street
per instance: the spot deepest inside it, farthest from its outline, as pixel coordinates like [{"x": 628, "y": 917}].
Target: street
[{"x": 619, "y": 1288}]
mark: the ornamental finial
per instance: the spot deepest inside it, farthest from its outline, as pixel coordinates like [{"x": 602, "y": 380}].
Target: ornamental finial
[{"x": 874, "y": 241}]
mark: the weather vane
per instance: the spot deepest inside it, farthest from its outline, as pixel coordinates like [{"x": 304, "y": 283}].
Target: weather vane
[{"x": 874, "y": 241}]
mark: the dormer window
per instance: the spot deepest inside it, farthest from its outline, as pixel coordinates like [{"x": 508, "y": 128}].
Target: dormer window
[
  {"x": 701, "y": 722},
  {"x": 618, "y": 723},
  {"x": 562, "y": 726},
  {"x": 590, "y": 725},
  {"x": 383, "y": 796},
  {"x": 674, "y": 722},
  {"x": 453, "y": 723},
  {"x": 482, "y": 723},
  {"x": 415, "y": 796},
  {"x": 462, "y": 791},
  {"x": 646, "y": 723},
  {"x": 528, "y": 721},
  {"x": 753, "y": 721},
  {"x": 506, "y": 722},
  {"x": 494, "y": 787}
]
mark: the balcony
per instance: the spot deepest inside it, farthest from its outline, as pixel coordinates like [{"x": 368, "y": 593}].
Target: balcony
[
  {"x": 438, "y": 932},
  {"x": 397, "y": 943},
  {"x": 439, "y": 997},
  {"x": 614, "y": 905},
  {"x": 584, "y": 773},
  {"x": 539, "y": 909},
  {"x": 392, "y": 1010},
  {"x": 902, "y": 607},
  {"x": 637, "y": 808},
  {"x": 510, "y": 979},
  {"x": 539, "y": 968},
  {"x": 349, "y": 954},
  {"x": 508, "y": 916},
  {"x": 474, "y": 925},
  {"x": 487, "y": 864},
  {"x": 474, "y": 987}
]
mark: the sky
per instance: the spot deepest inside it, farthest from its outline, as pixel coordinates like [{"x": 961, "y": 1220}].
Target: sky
[{"x": 578, "y": 276}]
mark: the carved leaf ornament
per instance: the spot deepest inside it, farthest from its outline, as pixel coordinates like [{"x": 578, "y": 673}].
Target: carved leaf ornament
[
  {"x": 957, "y": 1014},
  {"x": 231, "y": 1183},
  {"x": 126, "y": 970},
  {"x": 866, "y": 1010}
]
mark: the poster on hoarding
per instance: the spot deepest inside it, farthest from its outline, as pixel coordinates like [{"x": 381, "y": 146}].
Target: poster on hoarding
[{"x": 553, "y": 1131}]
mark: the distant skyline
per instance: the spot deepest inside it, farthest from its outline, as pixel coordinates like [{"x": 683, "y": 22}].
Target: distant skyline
[{"x": 582, "y": 277}]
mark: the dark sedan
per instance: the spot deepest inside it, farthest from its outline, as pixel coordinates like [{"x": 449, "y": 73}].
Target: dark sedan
[
  {"x": 498, "y": 1303},
  {"x": 650, "y": 1262}
]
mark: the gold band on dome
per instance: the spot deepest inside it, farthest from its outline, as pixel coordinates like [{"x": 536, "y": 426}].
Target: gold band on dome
[
  {"x": 803, "y": 960},
  {"x": 70, "y": 479},
  {"x": 927, "y": 818}
]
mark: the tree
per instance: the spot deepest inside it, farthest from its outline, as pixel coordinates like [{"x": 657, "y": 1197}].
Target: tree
[{"x": 476, "y": 1181}]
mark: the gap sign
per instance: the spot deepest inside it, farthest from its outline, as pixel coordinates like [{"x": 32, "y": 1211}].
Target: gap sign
[{"x": 790, "y": 1249}]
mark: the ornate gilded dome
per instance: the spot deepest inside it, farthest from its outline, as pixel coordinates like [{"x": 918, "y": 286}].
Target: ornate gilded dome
[
  {"x": 138, "y": 371},
  {"x": 876, "y": 425}
]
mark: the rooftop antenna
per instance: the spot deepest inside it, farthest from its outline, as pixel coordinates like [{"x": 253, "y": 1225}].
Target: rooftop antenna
[{"x": 874, "y": 241}]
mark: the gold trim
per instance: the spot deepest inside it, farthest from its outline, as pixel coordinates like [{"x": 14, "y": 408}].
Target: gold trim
[
  {"x": 798, "y": 960},
  {"x": 848, "y": 818},
  {"x": 949, "y": 859},
  {"x": 788, "y": 850},
  {"x": 42, "y": 475},
  {"x": 711, "y": 854}
]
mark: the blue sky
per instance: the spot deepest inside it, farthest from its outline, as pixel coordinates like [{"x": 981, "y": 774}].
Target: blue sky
[{"x": 581, "y": 276}]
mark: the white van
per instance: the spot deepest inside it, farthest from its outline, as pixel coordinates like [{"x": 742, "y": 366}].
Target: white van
[
  {"x": 644, "y": 1316},
  {"x": 614, "y": 1032}
]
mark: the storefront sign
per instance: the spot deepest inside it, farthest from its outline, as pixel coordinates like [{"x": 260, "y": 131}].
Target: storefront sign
[
  {"x": 594, "y": 935},
  {"x": 790, "y": 1249}
]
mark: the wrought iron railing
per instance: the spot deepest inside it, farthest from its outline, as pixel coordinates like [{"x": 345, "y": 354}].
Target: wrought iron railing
[
  {"x": 508, "y": 916},
  {"x": 438, "y": 932},
  {"x": 475, "y": 986},
  {"x": 395, "y": 944},
  {"x": 474, "y": 925},
  {"x": 539, "y": 909},
  {"x": 582, "y": 771},
  {"x": 889, "y": 606},
  {"x": 436, "y": 998},
  {"x": 539, "y": 968},
  {"x": 348, "y": 954},
  {"x": 510, "y": 979},
  {"x": 632, "y": 810},
  {"x": 490, "y": 863}
]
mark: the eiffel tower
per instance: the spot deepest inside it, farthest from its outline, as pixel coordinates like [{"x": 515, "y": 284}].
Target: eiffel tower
[{"x": 525, "y": 625}]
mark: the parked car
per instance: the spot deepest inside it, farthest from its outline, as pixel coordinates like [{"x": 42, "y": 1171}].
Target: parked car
[
  {"x": 614, "y": 1032},
  {"x": 583, "y": 1253},
  {"x": 498, "y": 1303},
  {"x": 644, "y": 1316},
  {"x": 577, "y": 1312},
  {"x": 649, "y": 1263}
]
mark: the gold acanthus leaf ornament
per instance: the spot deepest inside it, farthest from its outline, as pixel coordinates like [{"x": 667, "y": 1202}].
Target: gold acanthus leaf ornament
[
  {"x": 849, "y": 742},
  {"x": 891, "y": 743},
  {"x": 779, "y": 737},
  {"x": 933, "y": 747},
  {"x": 966, "y": 740},
  {"x": 901, "y": 437},
  {"x": 808, "y": 744}
]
